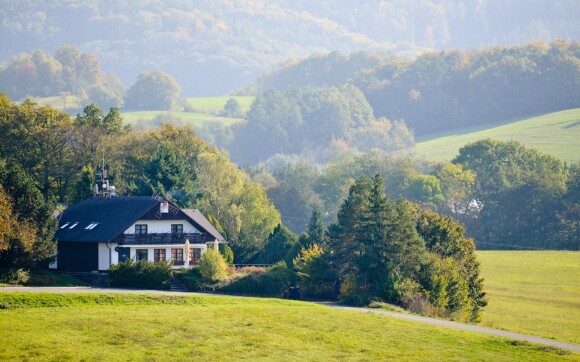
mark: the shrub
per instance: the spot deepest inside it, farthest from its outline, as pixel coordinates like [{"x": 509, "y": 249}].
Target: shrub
[
  {"x": 212, "y": 266},
  {"x": 314, "y": 273},
  {"x": 192, "y": 279},
  {"x": 14, "y": 276},
  {"x": 274, "y": 282},
  {"x": 227, "y": 253},
  {"x": 141, "y": 274}
]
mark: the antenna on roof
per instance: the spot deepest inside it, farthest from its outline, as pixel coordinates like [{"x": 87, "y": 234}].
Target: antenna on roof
[{"x": 102, "y": 187}]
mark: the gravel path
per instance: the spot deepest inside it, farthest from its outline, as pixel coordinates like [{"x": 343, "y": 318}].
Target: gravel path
[
  {"x": 462, "y": 326},
  {"x": 439, "y": 322}
]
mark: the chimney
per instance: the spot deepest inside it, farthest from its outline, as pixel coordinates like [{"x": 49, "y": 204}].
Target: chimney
[{"x": 164, "y": 207}]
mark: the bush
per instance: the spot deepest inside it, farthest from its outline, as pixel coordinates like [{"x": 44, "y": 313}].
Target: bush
[
  {"x": 14, "y": 276},
  {"x": 314, "y": 271},
  {"x": 274, "y": 282},
  {"x": 192, "y": 279},
  {"x": 212, "y": 266},
  {"x": 141, "y": 274},
  {"x": 227, "y": 253}
]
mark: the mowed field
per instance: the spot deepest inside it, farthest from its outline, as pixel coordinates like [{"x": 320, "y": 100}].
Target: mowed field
[
  {"x": 101, "y": 327},
  {"x": 555, "y": 133},
  {"x": 533, "y": 292}
]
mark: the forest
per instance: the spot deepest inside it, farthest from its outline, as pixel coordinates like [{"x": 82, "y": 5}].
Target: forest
[{"x": 213, "y": 47}]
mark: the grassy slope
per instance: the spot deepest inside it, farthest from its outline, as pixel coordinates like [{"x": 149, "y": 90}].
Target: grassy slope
[
  {"x": 206, "y": 110},
  {"x": 555, "y": 133},
  {"x": 144, "y": 119},
  {"x": 104, "y": 327},
  {"x": 533, "y": 292}
]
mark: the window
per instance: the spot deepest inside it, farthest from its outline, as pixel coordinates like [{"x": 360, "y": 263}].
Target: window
[
  {"x": 141, "y": 254},
  {"x": 73, "y": 225},
  {"x": 159, "y": 254},
  {"x": 92, "y": 226},
  {"x": 177, "y": 256},
  {"x": 65, "y": 225},
  {"x": 140, "y": 229},
  {"x": 194, "y": 255},
  {"x": 177, "y": 228}
]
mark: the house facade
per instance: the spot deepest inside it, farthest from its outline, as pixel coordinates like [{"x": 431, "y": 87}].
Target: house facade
[{"x": 103, "y": 231}]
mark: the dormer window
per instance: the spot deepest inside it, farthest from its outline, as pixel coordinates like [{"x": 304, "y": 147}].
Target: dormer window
[
  {"x": 65, "y": 225},
  {"x": 73, "y": 226}
]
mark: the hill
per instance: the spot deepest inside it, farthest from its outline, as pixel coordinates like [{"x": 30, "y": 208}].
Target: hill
[
  {"x": 161, "y": 327},
  {"x": 211, "y": 47},
  {"x": 555, "y": 133}
]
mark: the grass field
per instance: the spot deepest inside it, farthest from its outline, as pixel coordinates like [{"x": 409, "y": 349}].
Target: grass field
[
  {"x": 151, "y": 119},
  {"x": 214, "y": 105},
  {"x": 60, "y": 102},
  {"x": 533, "y": 292},
  {"x": 555, "y": 133},
  {"x": 156, "y": 327}
]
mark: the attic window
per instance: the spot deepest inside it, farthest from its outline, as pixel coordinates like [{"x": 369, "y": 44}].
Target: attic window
[
  {"x": 65, "y": 225},
  {"x": 92, "y": 226},
  {"x": 73, "y": 225}
]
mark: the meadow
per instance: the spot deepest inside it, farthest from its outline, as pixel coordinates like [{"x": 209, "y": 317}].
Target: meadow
[
  {"x": 152, "y": 119},
  {"x": 554, "y": 133},
  {"x": 214, "y": 105},
  {"x": 161, "y": 327},
  {"x": 533, "y": 292}
]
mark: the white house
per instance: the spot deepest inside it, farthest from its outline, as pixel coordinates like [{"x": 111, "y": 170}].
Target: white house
[{"x": 102, "y": 231}]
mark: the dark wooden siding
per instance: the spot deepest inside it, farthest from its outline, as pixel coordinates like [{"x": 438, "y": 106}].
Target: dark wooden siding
[{"x": 75, "y": 256}]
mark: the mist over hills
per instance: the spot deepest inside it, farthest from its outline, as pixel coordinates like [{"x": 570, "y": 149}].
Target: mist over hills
[{"x": 213, "y": 47}]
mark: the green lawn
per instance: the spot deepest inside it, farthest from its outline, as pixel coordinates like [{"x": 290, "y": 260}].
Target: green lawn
[
  {"x": 214, "y": 105},
  {"x": 137, "y": 327},
  {"x": 533, "y": 292},
  {"x": 555, "y": 133}
]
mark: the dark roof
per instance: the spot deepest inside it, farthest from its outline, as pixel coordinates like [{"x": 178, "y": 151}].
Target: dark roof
[
  {"x": 201, "y": 220},
  {"x": 113, "y": 215}
]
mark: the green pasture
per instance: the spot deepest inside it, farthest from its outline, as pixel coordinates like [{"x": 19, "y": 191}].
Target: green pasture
[
  {"x": 152, "y": 119},
  {"x": 102, "y": 327},
  {"x": 555, "y": 133},
  {"x": 533, "y": 292},
  {"x": 215, "y": 105},
  {"x": 60, "y": 102}
]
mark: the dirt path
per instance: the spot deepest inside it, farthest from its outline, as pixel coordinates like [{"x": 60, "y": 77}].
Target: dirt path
[{"x": 439, "y": 322}]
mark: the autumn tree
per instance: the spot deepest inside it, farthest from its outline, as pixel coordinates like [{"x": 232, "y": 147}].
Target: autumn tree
[{"x": 155, "y": 90}]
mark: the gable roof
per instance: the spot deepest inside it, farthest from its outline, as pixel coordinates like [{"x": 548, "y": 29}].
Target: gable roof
[
  {"x": 202, "y": 221},
  {"x": 112, "y": 216}
]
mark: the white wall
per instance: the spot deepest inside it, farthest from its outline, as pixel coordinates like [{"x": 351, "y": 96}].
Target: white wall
[
  {"x": 150, "y": 248},
  {"x": 103, "y": 257},
  {"x": 162, "y": 226}
]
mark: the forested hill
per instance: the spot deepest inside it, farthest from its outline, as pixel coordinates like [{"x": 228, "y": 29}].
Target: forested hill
[
  {"x": 213, "y": 46},
  {"x": 451, "y": 89}
]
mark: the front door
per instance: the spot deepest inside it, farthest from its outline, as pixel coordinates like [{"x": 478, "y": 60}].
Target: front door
[{"x": 124, "y": 254}]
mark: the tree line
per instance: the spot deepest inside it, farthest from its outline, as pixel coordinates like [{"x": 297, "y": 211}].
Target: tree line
[
  {"x": 72, "y": 72},
  {"x": 449, "y": 89},
  {"x": 315, "y": 124},
  {"x": 509, "y": 196},
  {"x": 212, "y": 45}
]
